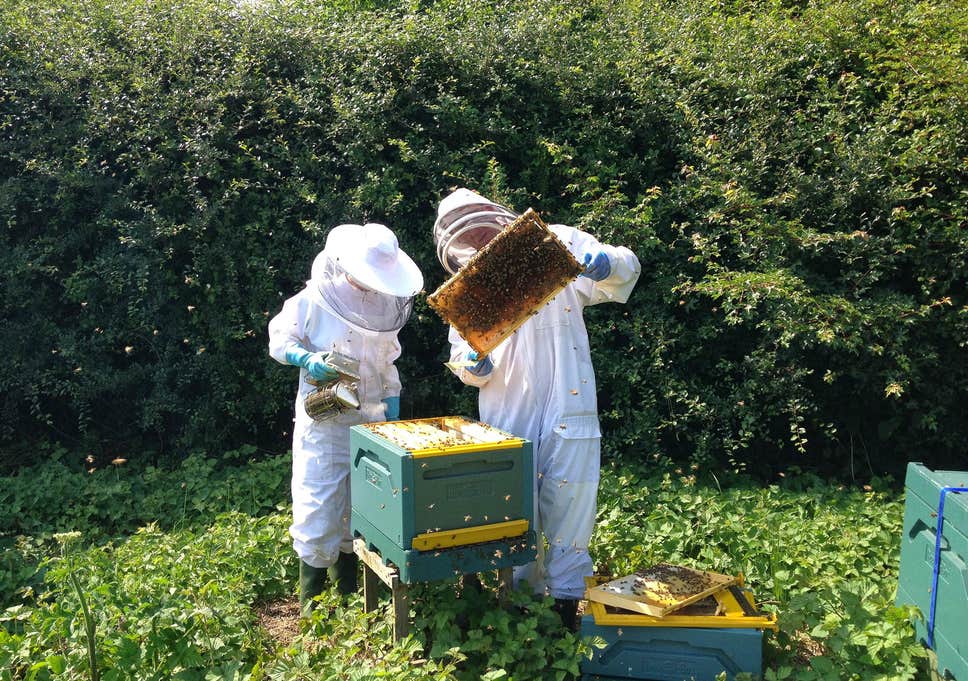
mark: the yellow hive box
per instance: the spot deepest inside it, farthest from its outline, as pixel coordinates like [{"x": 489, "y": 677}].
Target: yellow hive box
[
  {"x": 660, "y": 589},
  {"x": 505, "y": 283},
  {"x": 732, "y": 607},
  {"x": 443, "y": 435}
]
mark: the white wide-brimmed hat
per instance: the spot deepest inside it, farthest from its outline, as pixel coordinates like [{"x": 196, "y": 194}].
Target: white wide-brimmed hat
[{"x": 372, "y": 256}]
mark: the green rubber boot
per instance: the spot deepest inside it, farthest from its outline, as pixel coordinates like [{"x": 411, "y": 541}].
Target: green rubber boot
[
  {"x": 343, "y": 573},
  {"x": 567, "y": 609},
  {"x": 312, "y": 581}
]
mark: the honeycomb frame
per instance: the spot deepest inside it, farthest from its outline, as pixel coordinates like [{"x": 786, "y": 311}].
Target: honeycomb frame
[{"x": 505, "y": 283}]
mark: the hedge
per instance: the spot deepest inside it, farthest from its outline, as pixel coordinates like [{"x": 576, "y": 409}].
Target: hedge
[{"x": 790, "y": 174}]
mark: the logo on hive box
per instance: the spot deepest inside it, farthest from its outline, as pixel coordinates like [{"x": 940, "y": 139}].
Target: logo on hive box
[
  {"x": 374, "y": 477},
  {"x": 470, "y": 490}
]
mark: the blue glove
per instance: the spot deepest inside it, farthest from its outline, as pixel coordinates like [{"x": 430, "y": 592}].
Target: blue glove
[
  {"x": 597, "y": 267},
  {"x": 392, "y": 410},
  {"x": 483, "y": 367},
  {"x": 313, "y": 362}
]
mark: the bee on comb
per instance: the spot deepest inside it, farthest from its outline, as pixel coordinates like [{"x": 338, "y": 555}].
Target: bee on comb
[{"x": 505, "y": 283}]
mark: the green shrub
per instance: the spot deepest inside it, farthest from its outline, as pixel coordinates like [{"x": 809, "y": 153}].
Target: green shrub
[
  {"x": 56, "y": 496},
  {"x": 791, "y": 176}
]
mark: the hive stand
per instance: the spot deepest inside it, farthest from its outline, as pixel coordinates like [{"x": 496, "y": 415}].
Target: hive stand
[{"x": 374, "y": 570}]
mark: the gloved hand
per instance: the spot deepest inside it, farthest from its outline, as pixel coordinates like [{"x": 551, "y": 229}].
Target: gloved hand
[
  {"x": 483, "y": 366},
  {"x": 597, "y": 266},
  {"x": 313, "y": 362},
  {"x": 392, "y": 411}
]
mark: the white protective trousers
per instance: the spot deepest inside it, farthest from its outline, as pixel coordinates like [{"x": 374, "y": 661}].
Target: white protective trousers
[
  {"x": 542, "y": 388},
  {"x": 321, "y": 449}
]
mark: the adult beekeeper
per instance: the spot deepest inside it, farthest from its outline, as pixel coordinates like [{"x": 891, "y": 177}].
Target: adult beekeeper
[
  {"x": 359, "y": 296},
  {"x": 539, "y": 384}
]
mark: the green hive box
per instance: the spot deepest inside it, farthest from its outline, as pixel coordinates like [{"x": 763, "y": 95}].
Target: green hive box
[
  {"x": 671, "y": 653},
  {"x": 441, "y": 497},
  {"x": 923, "y": 489}
]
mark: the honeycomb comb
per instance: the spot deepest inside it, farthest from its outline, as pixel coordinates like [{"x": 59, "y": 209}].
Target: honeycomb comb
[{"x": 505, "y": 283}]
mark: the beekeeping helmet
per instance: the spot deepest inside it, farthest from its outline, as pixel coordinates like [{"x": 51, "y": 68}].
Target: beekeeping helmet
[
  {"x": 365, "y": 278},
  {"x": 466, "y": 222}
]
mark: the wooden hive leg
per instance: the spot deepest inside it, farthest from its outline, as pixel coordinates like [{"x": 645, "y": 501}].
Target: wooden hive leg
[
  {"x": 401, "y": 609},
  {"x": 505, "y": 579},
  {"x": 371, "y": 582},
  {"x": 375, "y": 571}
]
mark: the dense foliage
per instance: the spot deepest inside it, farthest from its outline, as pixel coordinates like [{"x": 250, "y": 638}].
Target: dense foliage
[
  {"x": 180, "y": 597},
  {"x": 791, "y": 175}
]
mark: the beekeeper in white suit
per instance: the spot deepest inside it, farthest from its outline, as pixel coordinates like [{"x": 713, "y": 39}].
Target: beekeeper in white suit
[
  {"x": 539, "y": 384},
  {"x": 360, "y": 295}
]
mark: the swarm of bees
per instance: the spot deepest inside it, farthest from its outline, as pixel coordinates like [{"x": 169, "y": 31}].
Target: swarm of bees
[{"x": 505, "y": 283}]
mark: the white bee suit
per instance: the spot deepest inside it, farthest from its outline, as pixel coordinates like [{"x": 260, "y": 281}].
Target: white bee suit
[
  {"x": 542, "y": 388},
  {"x": 359, "y": 296},
  {"x": 321, "y": 449}
]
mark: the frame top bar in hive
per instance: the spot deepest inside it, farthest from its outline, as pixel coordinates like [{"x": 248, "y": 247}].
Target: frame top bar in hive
[{"x": 505, "y": 283}]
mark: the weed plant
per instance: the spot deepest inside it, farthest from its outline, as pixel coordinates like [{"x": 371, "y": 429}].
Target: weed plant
[{"x": 177, "y": 598}]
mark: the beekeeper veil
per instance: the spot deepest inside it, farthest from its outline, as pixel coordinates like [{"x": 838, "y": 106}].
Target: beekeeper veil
[
  {"x": 466, "y": 222},
  {"x": 364, "y": 277}
]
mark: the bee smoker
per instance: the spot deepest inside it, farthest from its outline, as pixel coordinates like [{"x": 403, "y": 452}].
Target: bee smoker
[{"x": 341, "y": 394}]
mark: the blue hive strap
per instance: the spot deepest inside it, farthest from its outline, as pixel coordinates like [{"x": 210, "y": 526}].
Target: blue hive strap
[{"x": 937, "y": 560}]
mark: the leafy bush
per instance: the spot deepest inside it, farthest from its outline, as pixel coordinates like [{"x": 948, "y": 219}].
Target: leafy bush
[
  {"x": 790, "y": 174},
  {"x": 179, "y": 604},
  {"x": 55, "y": 497},
  {"x": 163, "y": 605}
]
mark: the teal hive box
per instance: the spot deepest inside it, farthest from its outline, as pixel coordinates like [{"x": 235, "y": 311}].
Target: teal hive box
[
  {"x": 442, "y": 497},
  {"x": 917, "y": 571},
  {"x": 671, "y": 653}
]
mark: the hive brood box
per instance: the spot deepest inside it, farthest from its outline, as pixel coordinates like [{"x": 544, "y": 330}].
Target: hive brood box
[
  {"x": 721, "y": 632},
  {"x": 442, "y": 496},
  {"x": 505, "y": 283}
]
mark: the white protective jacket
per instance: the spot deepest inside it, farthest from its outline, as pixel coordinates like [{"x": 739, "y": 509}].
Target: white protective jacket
[
  {"x": 542, "y": 388},
  {"x": 320, "y": 450}
]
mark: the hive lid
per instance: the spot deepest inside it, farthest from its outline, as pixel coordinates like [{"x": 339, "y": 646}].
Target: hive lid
[
  {"x": 505, "y": 283},
  {"x": 660, "y": 589},
  {"x": 927, "y": 484}
]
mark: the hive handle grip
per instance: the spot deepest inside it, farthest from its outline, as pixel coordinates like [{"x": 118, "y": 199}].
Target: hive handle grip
[
  {"x": 920, "y": 531},
  {"x": 939, "y": 533},
  {"x": 372, "y": 460}
]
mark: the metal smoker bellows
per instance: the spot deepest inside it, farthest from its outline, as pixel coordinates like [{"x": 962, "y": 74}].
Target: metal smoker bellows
[{"x": 336, "y": 396}]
